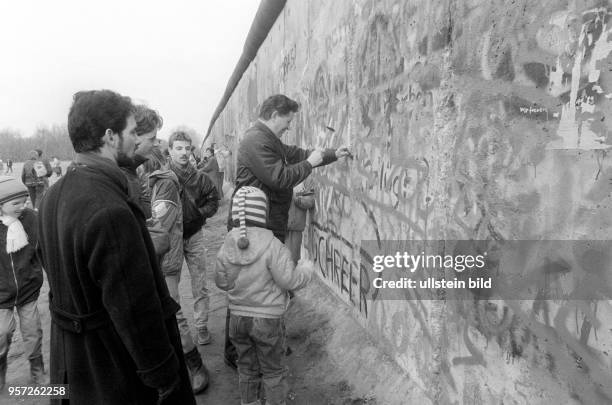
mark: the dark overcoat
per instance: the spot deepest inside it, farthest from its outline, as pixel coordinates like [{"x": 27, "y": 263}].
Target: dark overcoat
[{"x": 101, "y": 266}]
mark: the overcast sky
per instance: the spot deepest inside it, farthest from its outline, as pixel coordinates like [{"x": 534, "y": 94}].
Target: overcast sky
[{"x": 176, "y": 56}]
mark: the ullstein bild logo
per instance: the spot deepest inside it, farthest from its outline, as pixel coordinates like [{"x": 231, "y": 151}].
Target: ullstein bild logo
[
  {"x": 431, "y": 282},
  {"x": 459, "y": 269}
]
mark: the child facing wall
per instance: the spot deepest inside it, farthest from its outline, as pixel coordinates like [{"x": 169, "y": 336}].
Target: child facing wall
[{"x": 258, "y": 271}]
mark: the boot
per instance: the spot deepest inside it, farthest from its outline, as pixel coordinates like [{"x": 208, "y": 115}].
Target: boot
[
  {"x": 37, "y": 371},
  {"x": 197, "y": 371},
  {"x": 2, "y": 372}
]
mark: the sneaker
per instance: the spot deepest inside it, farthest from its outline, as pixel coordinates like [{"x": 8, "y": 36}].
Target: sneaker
[{"x": 204, "y": 337}]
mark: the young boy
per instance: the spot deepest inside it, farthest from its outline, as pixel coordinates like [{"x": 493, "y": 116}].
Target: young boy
[
  {"x": 20, "y": 277},
  {"x": 257, "y": 270}
]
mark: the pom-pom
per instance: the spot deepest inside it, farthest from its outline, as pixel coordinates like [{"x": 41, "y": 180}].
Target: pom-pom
[{"x": 243, "y": 243}]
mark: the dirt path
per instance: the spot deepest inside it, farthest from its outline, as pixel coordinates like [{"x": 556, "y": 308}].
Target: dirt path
[{"x": 308, "y": 385}]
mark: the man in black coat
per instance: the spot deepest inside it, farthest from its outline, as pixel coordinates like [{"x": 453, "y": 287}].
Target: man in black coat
[
  {"x": 268, "y": 164},
  {"x": 114, "y": 337}
]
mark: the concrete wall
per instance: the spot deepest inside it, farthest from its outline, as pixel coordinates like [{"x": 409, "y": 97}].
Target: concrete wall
[{"x": 468, "y": 119}]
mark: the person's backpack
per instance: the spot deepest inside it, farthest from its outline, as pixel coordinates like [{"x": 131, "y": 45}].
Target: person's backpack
[{"x": 40, "y": 169}]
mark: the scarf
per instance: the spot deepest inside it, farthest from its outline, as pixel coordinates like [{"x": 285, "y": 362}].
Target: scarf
[
  {"x": 16, "y": 236},
  {"x": 183, "y": 173}
]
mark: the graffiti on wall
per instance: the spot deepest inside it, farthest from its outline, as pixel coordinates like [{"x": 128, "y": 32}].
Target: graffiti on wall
[
  {"x": 529, "y": 82},
  {"x": 337, "y": 265}
]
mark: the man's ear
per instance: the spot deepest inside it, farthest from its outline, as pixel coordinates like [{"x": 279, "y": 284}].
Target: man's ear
[{"x": 110, "y": 138}]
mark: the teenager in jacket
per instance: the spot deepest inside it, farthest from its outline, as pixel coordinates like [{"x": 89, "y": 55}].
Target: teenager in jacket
[
  {"x": 257, "y": 271},
  {"x": 20, "y": 278},
  {"x": 199, "y": 199},
  {"x": 167, "y": 213},
  {"x": 114, "y": 337}
]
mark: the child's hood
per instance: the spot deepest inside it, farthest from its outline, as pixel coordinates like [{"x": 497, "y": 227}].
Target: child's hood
[{"x": 259, "y": 241}]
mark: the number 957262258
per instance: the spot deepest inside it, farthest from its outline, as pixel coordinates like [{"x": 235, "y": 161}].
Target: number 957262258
[{"x": 47, "y": 391}]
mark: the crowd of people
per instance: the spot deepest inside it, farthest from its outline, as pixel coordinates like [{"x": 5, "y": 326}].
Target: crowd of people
[{"x": 112, "y": 235}]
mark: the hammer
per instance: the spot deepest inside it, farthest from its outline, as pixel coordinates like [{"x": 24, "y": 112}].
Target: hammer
[{"x": 350, "y": 155}]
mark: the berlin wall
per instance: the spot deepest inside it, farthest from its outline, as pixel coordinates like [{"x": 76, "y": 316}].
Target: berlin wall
[{"x": 467, "y": 119}]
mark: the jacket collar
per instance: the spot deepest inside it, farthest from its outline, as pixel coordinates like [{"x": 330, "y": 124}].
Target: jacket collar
[{"x": 103, "y": 165}]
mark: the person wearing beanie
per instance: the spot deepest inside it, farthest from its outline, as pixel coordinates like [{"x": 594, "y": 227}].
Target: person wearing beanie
[
  {"x": 257, "y": 271},
  {"x": 20, "y": 278}
]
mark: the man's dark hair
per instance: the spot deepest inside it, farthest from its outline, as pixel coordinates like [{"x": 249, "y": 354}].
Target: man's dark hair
[
  {"x": 147, "y": 119},
  {"x": 179, "y": 136},
  {"x": 92, "y": 113},
  {"x": 280, "y": 103}
]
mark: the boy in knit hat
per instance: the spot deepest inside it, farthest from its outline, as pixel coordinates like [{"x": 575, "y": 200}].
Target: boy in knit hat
[
  {"x": 20, "y": 277},
  {"x": 257, "y": 270}
]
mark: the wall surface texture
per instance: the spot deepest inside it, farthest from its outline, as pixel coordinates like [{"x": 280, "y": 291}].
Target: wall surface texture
[{"x": 468, "y": 119}]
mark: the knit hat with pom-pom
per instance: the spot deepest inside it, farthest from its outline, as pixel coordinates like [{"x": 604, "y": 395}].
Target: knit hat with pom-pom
[{"x": 249, "y": 206}]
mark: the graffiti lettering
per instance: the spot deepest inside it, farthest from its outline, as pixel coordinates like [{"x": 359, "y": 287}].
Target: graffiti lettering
[
  {"x": 346, "y": 276},
  {"x": 532, "y": 110},
  {"x": 288, "y": 62}
]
